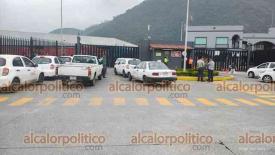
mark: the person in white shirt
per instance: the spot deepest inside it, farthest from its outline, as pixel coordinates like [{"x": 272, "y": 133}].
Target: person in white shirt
[
  {"x": 211, "y": 68},
  {"x": 200, "y": 68}
]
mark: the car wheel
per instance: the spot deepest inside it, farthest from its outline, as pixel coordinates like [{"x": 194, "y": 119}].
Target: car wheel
[
  {"x": 251, "y": 75},
  {"x": 130, "y": 77},
  {"x": 92, "y": 82},
  {"x": 115, "y": 71},
  {"x": 99, "y": 77},
  {"x": 267, "y": 79},
  {"x": 144, "y": 79},
  {"x": 124, "y": 74},
  {"x": 41, "y": 78},
  {"x": 15, "y": 84}
]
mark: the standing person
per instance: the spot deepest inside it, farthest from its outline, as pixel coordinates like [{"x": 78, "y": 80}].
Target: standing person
[
  {"x": 104, "y": 63},
  {"x": 211, "y": 68},
  {"x": 200, "y": 68},
  {"x": 165, "y": 60},
  {"x": 232, "y": 69}
]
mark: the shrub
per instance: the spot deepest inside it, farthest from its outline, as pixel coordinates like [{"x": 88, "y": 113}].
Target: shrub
[{"x": 192, "y": 72}]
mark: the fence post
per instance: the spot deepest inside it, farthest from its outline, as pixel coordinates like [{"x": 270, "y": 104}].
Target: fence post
[
  {"x": 0, "y": 44},
  {"x": 56, "y": 48},
  {"x": 31, "y": 48}
]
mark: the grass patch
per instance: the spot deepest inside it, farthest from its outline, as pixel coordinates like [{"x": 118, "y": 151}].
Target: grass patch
[{"x": 193, "y": 73}]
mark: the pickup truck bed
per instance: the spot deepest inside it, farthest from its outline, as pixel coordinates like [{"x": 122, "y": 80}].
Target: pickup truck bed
[{"x": 80, "y": 72}]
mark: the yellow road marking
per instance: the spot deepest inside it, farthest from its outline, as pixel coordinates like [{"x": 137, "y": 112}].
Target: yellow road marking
[
  {"x": 164, "y": 101},
  {"x": 267, "y": 96},
  {"x": 265, "y": 102},
  {"x": 263, "y": 93},
  {"x": 119, "y": 101},
  {"x": 142, "y": 101},
  {"x": 47, "y": 101},
  {"x": 185, "y": 102},
  {"x": 96, "y": 101},
  {"x": 71, "y": 102},
  {"x": 227, "y": 102},
  {"x": 21, "y": 102},
  {"x": 246, "y": 102},
  {"x": 206, "y": 102},
  {"x": 3, "y": 99}
]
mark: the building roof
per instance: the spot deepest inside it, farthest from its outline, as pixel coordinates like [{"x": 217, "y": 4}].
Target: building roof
[
  {"x": 168, "y": 46},
  {"x": 69, "y": 39},
  {"x": 215, "y": 28},
  {"x": 259, "y": 36}
]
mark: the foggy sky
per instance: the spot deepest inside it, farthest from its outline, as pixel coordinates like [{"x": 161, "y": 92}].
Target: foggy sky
[{"x": 44, "y": 15}]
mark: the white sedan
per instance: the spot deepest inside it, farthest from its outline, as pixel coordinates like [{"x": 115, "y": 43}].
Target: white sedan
[
  {"x": 256, "y": 71},
  {"x": 153, "y": 71},
  {"x": 17, "y": 70},
  {"x": 123, "y": 65},
  {"x": 48, "y": 64},
  {"x": 267, "y": 76}
]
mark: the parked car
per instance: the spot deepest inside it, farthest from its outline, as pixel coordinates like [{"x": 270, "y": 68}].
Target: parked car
[
  {"x": 267, "y": 76},
  {"x": 256, "y": 71},
  {"x": 48, "y": 64},
  {"x": 123, "y": 65},
  {"x": 17, "y": 70},
  {"x": 153, "y": 71},
  {"x": 83, "y": 68},
  {"x": 65, "y": 59}
]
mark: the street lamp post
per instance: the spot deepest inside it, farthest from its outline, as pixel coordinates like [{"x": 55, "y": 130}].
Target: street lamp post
[
  {"x": 61, "y": 31},
  {"x": 186, "y": 35}
]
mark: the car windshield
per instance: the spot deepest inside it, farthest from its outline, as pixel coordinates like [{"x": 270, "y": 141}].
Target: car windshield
[
  {"x": 42, "y": 60},
  {"x": 157, "y": 66},
  {"x": 2, "y": 61},
  {"x": 84, "y": 59},
  {"x": 134, "y": 62},
  {"x": 65, "y": 59}
]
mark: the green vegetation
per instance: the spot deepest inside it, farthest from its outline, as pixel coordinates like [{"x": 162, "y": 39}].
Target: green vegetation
[
  {"x": 165, "y": 17},
  {"x": 192, "y": 72}
]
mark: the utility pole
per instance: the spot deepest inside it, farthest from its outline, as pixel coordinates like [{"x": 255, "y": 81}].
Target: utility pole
[
  {"x": 272, "y": 20},
  {"x": 61, "y": 31},
  {"x": 186, "y": 36},
  {"x": 181, "y": 31},
  {"x": 149, "y": 33}
]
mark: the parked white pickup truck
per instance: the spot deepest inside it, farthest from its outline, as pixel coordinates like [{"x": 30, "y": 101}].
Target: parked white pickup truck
[{"x": 83, "y": 68}]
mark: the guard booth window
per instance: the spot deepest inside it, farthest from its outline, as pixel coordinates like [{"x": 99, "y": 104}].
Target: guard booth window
[
  {"x": 222, "y": 42},
  {"x": 200, "y": 42}
]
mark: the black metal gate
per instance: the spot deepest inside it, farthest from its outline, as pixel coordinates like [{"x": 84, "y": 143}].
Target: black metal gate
[
  {"x": 32, "y": 46},
  {"x": 263, "y": 56},
  {"x": 223, "y": 58}
]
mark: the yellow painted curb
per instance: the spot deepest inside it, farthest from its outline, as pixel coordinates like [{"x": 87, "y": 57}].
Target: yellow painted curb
[{"x": 219, "y": 78}]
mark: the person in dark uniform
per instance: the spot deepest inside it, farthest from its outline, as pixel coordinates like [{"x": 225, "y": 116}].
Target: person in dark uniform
[{"x": 104, "y": 63}]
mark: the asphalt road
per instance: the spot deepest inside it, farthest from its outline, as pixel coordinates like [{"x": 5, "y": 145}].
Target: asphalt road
[{"x": 225, "y": 116}]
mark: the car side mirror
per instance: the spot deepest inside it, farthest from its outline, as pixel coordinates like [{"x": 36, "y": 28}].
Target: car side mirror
[
  {"x": 35, "y": 65},
  {"x": 136, "y": 67},
  {"x": 273, "y": 69}
]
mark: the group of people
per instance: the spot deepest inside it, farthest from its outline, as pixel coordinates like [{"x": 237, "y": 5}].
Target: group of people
[{"x": 205, "y": 64}]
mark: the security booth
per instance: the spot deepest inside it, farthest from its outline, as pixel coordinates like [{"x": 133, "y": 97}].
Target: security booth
[{"x": 173, "y": 52}]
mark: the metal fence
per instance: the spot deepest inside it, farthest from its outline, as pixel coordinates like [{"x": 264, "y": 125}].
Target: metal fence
[
  {"x": 223, "y": 58},
  {"x": 31, "y": 47}
]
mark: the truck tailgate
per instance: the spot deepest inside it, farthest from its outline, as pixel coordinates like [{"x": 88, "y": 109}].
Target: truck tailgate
[{"x": 73, "y": 70}]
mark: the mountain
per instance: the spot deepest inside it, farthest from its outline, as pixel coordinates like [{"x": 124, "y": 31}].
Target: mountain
[
  {"x": 72, "y": 31},
  {"x": 165, "y": 17}
]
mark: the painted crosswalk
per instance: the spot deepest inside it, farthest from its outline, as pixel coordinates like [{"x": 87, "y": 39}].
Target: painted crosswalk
[
  {"x": 141, "y": 101},
  {"x": 47, "y": 101},
  {"x": 21, "y": 102},
  {"x": 263, "y": 97}
]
